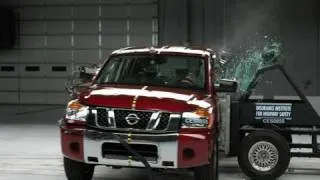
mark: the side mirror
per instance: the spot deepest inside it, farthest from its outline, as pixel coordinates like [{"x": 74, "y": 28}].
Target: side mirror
[{"x": 226, "y": 85}]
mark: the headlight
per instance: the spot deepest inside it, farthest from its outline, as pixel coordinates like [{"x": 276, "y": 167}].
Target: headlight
[
  {"x": 76, "y": 112},
  {"x": 198, "y": 119}
]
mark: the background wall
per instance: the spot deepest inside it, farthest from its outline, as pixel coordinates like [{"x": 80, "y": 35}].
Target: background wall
[
  {"x": 56, "y": 36},
  {"x": 237, "y": 25}
]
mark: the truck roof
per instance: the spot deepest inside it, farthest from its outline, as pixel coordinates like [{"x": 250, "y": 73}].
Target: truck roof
[{"x": 163, "y": 49}]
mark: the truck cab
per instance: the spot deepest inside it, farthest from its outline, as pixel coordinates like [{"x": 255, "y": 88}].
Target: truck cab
[{"x": 146, "y": 107}]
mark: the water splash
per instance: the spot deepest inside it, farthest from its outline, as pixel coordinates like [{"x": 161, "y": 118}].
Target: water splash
[{"x": 244, "y": 67}]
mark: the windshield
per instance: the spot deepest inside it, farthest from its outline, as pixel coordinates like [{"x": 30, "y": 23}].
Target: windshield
[{"x": 158, "y": 70}]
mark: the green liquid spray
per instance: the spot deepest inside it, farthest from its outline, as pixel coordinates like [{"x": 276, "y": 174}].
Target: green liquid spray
[{"x": 243, "y": 68}]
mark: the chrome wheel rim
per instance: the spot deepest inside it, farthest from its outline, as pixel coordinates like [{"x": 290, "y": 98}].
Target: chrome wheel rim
[{"x": 263, "y": 156}]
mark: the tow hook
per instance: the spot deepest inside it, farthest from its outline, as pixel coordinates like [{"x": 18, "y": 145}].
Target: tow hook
[{"x": 136, "y": 154}]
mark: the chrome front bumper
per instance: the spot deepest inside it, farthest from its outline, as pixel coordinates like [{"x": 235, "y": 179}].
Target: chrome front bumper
[{"x": 167, "y": 149}]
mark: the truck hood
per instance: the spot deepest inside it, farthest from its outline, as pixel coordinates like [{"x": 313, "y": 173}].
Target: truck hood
[{"x": 145, "y": 98}]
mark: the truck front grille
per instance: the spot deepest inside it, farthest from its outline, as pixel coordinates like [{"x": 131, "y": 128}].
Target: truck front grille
[
  {"x": 142, "y": 123},
  {"x": 164, "y": 121},
  {"x": 118, "y": 118},
  {"x": 118, "y": 151},
  {"x": 103, "y": 118}
]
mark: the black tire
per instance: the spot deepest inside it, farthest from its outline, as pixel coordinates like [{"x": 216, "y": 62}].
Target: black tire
[
  {"x": 209, "y": 171},
  {"x": 77, "y": 170},
  {"x": 264, "y": 138}
]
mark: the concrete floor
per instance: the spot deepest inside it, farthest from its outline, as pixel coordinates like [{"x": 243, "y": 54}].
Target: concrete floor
[{"x": 30, "y": 150}]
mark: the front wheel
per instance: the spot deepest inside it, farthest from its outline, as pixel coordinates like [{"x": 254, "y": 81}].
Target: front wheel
[
  {"x": 209, "y": 171},
  {"x": 264, "y": 155},
  {"x": 77, "y": 170}
]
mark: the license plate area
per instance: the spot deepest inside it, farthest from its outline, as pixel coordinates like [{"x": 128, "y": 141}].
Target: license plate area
[{"x": 118, "y": 151}]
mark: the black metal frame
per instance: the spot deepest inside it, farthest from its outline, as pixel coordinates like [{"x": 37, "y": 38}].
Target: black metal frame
[
  {"x": 306, "y": 119},
  {"x": 254, "y": 82}
]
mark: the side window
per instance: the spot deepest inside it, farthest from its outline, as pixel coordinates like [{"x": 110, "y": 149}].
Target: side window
[{"x": 109, "y": 73}]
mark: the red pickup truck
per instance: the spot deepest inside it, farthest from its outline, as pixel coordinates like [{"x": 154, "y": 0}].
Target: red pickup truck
[{"x": 146, "y": 107}]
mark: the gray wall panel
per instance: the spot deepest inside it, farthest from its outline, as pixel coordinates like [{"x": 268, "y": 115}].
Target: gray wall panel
[
  {"x": 114, "y": 26},
  {"x": 143, "y": 11},
  {"x": 173, "y": 22},
  {"x": 56, "y": 98},
  {"x": 33, "y": 56},
  {"x": 17, "y": 45},
  {"x": 32, "y": 41},
  {"x": 12, "y": 2},
  {"x": 63, "y": 56},
  {"x": 214, "y": 23},
  {"x": 86, "y": 12},
  {"x": 55, "y": 85},
  {"x": 86, "y": 26},
  {"x": 318, "y": 64},
  {"x": 83, "y": 56},
  {"x": 30, "y": 13},
  {"x": 141, "y": 27},
  {"x": 115, "y": 12},
  {"x": 113, "y": 41},
  {"x": 140, "y": 41},
  {"x": 145, "y": 1},
  {"x": 114, "y": 1},
  {"x": 29, "y": 2},
  {"x": 86, "y": 42},
  {"x": 54, "y": 27},
  {"x": 58, "y": 12},
  {"x": 30, "y": 27},
  {"x": 32, "y": 98},
  {"x": 9, "y": 84},
  {"x": 59, "y": 42},
  {"x": 67, "y": 2},
  {"x": 27, "y": 84},
  {"x": 196, "y": 35},
  {"x": 9, "y": 56},
  {"x": 9, "y": 97},
  {"x": 128, "y": 1}
]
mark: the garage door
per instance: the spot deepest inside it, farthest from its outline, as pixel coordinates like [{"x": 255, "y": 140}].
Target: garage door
[{"x": 56, "y": 36}]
